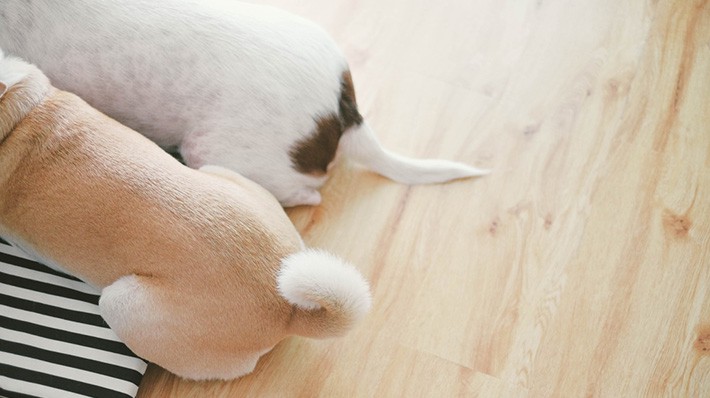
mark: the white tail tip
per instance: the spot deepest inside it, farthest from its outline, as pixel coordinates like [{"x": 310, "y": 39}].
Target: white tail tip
[{"x": 312, "y": 279}]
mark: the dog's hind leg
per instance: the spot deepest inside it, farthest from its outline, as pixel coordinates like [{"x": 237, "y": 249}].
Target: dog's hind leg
[
  {"x": 143, "y": 319},
  {"x": 269, "y": 168},
  {"x": 303, "y": 196},
  {"x": 157, "y": 324},
  {"x": 230, "y": 175},
  {"x": 134, "y": 312}
]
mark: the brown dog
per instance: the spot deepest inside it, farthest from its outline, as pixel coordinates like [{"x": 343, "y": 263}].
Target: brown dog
[{"x": 201, "y": 271}]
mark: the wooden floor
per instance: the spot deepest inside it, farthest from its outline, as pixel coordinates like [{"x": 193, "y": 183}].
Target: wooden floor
[{"x": 579, "y": 268}]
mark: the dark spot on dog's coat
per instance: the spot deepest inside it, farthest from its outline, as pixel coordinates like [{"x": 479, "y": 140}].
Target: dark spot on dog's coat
[
  {"x": 349, "y": 114},
  {"x": 312, "y": 154}
]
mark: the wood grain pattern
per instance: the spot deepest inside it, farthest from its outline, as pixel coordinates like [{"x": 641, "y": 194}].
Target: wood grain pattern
[{"x": 580, "y": 267}]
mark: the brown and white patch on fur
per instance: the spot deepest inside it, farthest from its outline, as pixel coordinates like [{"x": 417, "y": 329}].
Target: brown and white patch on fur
[
  {"x": 21, "y": 92},
  {"x": 349, "y": 114},
  {"x": 313, "y": 154}
]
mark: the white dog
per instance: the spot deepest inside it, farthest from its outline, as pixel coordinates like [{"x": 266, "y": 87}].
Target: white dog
[{"x": 247, "y": 87}]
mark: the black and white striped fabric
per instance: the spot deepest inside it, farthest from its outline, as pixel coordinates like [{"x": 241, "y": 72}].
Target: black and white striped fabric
[{"x": 53, "y": 342}]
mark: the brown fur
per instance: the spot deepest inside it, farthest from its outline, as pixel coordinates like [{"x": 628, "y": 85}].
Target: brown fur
[
  {"x": 314, "y": 153},
  {"x": 349, "y": 115},
  {"x": 103, "y": 202}
]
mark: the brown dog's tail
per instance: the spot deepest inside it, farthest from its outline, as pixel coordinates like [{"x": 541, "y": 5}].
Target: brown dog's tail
[{"x": 328, "y": 295}]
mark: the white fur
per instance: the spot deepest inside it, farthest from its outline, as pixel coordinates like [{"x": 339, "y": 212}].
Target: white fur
[
  {"x": 362, "y": 146},
  {"x": 227, "y": 83},
  {"x": 12, "y": 71},
  {"x": 312, "y": 279}
]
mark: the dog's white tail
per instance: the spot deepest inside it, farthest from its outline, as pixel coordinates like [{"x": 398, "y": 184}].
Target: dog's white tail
[
  {"x": 329, "y": 296},
  {"x": 359, "y": 143}
]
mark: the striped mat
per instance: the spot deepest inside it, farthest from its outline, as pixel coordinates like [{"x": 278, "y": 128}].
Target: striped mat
[{"x": 53, "y": 342}]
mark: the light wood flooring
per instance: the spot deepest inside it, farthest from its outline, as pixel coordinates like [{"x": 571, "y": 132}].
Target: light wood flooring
[{"x": 579, "y": 268}]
